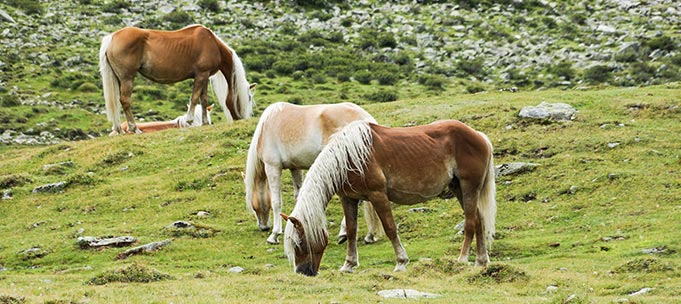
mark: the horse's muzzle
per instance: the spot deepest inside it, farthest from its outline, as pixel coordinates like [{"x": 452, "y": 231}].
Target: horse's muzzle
[
  {"x": 264, "y": 227},
  {"x": 306, "y": 269}
]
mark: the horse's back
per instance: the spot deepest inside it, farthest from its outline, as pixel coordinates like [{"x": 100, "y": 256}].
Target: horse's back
[
  {"x": 424, "y": 159},
  {"x": 295, "y": 134}
]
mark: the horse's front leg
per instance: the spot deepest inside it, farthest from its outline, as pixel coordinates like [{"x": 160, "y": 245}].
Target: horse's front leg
[
  {"x": 274, "y": 181},
  {"x": 382, "y": 206},
  {"x": 350, "y": 211}
]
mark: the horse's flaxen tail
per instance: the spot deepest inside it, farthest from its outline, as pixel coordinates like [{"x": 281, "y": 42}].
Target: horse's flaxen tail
[
  {"x": 220, "y": 87},
  {"x": 237, "y": 84},
  {"x": 487, "y": 206},
  {"x": 110, "y": 84}
]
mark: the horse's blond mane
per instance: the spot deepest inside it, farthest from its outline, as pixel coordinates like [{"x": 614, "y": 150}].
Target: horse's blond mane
[{"x": 347, "y": 151}]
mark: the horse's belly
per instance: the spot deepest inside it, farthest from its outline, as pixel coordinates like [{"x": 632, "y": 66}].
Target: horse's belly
[{"x": 409, "y": 193}]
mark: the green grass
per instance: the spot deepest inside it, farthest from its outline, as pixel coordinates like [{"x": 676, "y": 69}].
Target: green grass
[{"x": 138, "y": 185}]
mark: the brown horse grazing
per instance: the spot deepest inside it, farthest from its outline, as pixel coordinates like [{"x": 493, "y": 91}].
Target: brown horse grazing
[
  {"x": 365, "y": 161},
  {"x": 179, "y": 122},
  {"x": 168, "y": 57}
]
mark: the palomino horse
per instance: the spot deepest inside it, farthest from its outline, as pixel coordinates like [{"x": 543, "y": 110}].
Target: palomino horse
[
  {"x": 179, "y": 122},
  {"x": 168, "y": 57},
  {"x": 364, "y": 161},
  {"x": 290, "y": 137}
]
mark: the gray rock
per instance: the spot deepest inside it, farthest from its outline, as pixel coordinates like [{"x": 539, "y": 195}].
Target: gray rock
[
  {"x": 552, "y": 111},
  {"x": 93, "y": 242},
  {"x": 406, "y": 294},
  {"x": 514, "y": 168},
  {"x": 4, "y": 16},
  {"x": 151, "y": 247},
  {"x": 7, "y": 194},
  {"x": 180, "y": 225},
  {"x": 33, "y": 253},
  {"x": 642, "y": 291},
  {"x": 51, "y": 188},
  {"x": 68, "y": 164},
  {"x": 236, "y": 269}
]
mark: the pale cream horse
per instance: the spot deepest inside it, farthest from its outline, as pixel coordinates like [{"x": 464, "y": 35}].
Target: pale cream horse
[
  {"x": 289, "y": 136},
  {"x": 168, "y": 57}
]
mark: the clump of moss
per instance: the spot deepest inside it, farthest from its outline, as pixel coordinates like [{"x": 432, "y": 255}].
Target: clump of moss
[
  {"x": 644, "y": 265},
  {"x": 12, "y": 300},
  {"x": 13, "y": 180},
  {"x": 499, "y": 273},
  {"x": 134, "y": 273}
]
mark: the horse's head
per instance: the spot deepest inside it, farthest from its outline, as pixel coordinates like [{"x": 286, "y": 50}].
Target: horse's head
[
  {"x": 261, "y": 206},
  {"x": 305, "y": 253}
]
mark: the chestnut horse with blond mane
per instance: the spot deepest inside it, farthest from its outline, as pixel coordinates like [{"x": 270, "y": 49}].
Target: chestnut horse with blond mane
[
  {"x": 365, "y": 161},
  {"x": 169, "y": 57},
  {"x": 290, "y": 137}
]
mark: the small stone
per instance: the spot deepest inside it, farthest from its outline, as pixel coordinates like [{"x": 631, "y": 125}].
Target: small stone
[
  {"x": 642, "y": 291},
  {"x": 406, "y": 294},
  {"x": 613, "y": 145},
  {"x": 236, "y": 269},
  {"x": 552, "y": 288}
]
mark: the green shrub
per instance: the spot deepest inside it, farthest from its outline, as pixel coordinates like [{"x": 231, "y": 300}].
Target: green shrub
[
  {"x": 211, "y": 5},
  {"x": 664, "y": 43},
  {"x": 30, "y": 7},
  {"x": 178, "y": 19},
  {"x": 433, "y": 82},
  {"x": 132, "y": 273},
  {"x": 88, "y": 87},
  {"x": 382, "y": 95},
  {"x": 472, "y": 67},
  {"x": 386, "y": 77},
  {"x": 115, "y": 6},
  {"x": 7, "y": 100},
  {"x": 283, "y": 67},
  {"x": 363, "y": 77},
  {"x": 598, "y": 74},
  {"x": 563, "y": 69},
  {"x": 474, "y": 88},
  {"x": 386, "y": 40},
  {"x": 642, "y": 72}
]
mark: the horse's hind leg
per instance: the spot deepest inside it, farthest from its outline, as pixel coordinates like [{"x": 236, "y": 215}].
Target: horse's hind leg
[
  {"x": 200, "y": 83},
  {"x": 472, "y": 226},
  {"x": 350, "y": 211},
  {"x": 274, "y": 181},
  {"x": 204, "y": 105},
  {"x": 126, "y": 93},
  {"x": 382, "y": 205},
  {"x": 373, "y": 223}
]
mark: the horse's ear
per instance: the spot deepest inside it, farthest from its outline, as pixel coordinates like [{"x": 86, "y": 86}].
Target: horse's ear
[
  {"x": 296, "y": 223},
  {"x": 209, "y": 108}
]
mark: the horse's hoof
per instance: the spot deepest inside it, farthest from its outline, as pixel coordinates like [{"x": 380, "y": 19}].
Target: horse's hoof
[
  {"x": 342, "y": 239},
  {"x": 370, "y": 239},
  {"x": 272, "y": 240}
]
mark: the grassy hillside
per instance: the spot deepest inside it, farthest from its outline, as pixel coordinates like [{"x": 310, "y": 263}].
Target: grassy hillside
[{"x": 607, "y": 188}]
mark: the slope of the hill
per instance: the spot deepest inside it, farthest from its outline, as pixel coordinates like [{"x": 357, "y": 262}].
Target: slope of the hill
[{"x": 596, "y": 222}]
